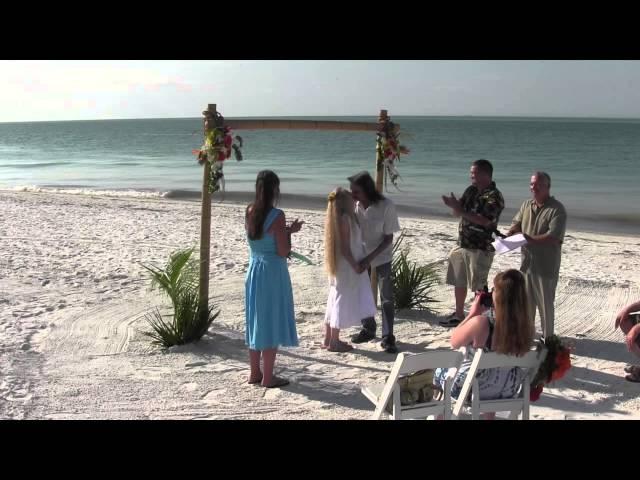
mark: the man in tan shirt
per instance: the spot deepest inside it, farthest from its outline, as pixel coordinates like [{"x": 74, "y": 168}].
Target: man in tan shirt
[{"x": 543, "y": 222}]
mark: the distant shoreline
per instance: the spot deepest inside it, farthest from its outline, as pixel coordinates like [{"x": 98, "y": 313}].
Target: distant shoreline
[
  {"x": 582, "y": 221},
  {"x": 369, "y": 116}
]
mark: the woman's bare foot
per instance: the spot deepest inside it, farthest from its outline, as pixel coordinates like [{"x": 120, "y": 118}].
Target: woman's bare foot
[{"x": 253, "y": 380}]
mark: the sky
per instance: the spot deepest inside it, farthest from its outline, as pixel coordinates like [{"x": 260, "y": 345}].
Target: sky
[{"x": 89, "y": 89}]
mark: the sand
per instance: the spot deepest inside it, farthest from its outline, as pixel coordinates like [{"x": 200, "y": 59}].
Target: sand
[{"x": 73, "y": 296}]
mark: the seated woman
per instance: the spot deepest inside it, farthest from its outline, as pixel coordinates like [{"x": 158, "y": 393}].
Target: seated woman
[
  {"x": 631, "y": 328},
  {"x": 504, "y": 328}
]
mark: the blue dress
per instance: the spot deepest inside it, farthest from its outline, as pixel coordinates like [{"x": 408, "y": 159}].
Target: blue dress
[{"x": 268, "y": 295}]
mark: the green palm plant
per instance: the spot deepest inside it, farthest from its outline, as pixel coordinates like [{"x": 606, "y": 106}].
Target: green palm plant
[
  {"x": 180, "y": 282},
  {"x": 413, "y": 284}
]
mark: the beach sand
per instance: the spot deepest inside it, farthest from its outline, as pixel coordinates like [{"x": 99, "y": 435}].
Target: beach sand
[{"x": 73, "y": 296}]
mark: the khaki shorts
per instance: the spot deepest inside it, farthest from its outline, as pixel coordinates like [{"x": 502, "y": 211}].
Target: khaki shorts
[{"x": 469, "y": 268}]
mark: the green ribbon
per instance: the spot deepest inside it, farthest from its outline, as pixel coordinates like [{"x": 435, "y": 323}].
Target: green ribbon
[{"x": 302, "y": 258}]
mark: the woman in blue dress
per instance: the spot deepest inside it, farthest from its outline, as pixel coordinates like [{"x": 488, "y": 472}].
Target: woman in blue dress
[{"x": 270, "y": 321}]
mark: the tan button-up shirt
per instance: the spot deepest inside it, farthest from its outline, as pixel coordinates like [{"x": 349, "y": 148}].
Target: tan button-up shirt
[{"x": 542, "y": 260}]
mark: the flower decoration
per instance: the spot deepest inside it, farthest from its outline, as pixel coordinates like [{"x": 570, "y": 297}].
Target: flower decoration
[
  {"x": 389, "y": 149},
  {"x": 219, "y": 142},
  {"x": 554, "y": 367}
]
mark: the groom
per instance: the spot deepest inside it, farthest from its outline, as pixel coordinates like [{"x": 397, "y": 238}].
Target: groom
[{"x": 379, "y": 221}]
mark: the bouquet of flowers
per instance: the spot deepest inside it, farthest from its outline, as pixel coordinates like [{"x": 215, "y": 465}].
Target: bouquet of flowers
[
  {"x": 218, "y": 145},
  {"x": 389, "y": 149},
  {"x": 554, "y": 367}
]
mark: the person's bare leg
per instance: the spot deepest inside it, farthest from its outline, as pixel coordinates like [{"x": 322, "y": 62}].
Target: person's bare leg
[
  {"x": 336, "y": 345},
  {"x": 335, "y": 335},
  {"x": 327, "y": 336},
  {"x": 268, "y": 360},
  {"x": 632, "y": 370},
  {"x": 269, "y": 380},
  {"x": 461, "y": 295},
  {"x": 626, "y": 325},
  {"x": 255, "y": 376}
]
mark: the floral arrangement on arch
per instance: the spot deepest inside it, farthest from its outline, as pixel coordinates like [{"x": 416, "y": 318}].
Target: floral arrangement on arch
[
  {"x": 219, "y": 142},
  {"x": 389, "y": 149},
  {"x": 554, "y": 367}
]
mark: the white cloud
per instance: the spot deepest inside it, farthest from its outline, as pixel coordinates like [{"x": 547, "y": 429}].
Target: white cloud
[{"x": 87, "y": 89}]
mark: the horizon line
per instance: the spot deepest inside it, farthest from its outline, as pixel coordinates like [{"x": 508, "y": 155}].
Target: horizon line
[{"x": 330, "y": 116}]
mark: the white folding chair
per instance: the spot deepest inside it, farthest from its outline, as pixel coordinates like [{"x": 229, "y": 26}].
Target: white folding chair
[
  {"x": 529, "y": 362},
  {"x": 406, "y": 363}
]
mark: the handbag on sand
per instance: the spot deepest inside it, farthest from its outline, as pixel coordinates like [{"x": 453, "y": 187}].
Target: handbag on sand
[{"x": 415, "y": 388}]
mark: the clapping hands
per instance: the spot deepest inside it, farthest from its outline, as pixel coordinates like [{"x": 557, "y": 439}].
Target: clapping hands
[{"x": 453, "y": 203}]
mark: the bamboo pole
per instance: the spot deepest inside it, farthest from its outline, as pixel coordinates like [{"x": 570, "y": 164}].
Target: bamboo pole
[
  {"x": 205, "y": 224},
  {"x": 251, "y": 124},
  {"x": 382, "y": 119}
]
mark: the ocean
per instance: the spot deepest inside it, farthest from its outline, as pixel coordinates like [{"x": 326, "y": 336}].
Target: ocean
[{"x": 593, "y": 163}]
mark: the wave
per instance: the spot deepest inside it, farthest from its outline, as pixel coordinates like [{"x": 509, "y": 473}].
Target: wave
[
  {"x": 621, "y": 218},
  {"x": 34, "y": 165},
  {"x": 133, "y": 156},
  {"x": 8, "y": 149},
  {"x": 182, "y": 194},
  {"x": 613, "y": 222},
  {"x": 167, "y": 134},
  {"x": 90, "y": 191}
]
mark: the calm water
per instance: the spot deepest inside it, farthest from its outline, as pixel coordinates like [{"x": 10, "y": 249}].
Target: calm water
[{"x": 593, "y": 163}]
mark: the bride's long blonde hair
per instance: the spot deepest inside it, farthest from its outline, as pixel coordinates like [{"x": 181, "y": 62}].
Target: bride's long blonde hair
[{"x": 338, "y": 204}]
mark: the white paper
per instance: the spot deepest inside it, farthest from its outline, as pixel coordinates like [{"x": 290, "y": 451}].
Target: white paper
[{"x": 509, "y": 244}]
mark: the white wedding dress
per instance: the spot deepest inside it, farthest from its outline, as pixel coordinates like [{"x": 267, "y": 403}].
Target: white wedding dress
[{"x": 350, "y": 297}]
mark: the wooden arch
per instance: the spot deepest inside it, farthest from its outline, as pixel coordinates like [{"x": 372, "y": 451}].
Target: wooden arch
[{"x": 257, "y": 124}]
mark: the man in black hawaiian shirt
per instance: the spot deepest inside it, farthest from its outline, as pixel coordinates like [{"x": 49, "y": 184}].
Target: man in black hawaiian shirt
[{"x": 479, "y": 208}]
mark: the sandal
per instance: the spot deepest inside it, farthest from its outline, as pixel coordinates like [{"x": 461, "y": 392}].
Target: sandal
[
  {"x": 451, "y": 321},
  {"x": 632, "y": 378},
  {"x": 277, "y": 382},
  {"x": 340, "y": 347}
]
